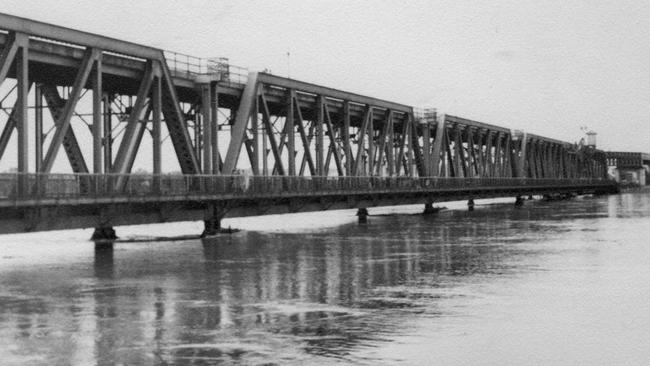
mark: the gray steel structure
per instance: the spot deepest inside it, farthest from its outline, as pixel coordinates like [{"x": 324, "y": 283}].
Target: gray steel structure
[
  {"x": 308, "y": 147},
  {"x": 627, "y": 160}
]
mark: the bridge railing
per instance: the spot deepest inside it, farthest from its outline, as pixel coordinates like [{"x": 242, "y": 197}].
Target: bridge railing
[
  {"x": 61, "y": 186},
  {"x": 187, "y": 66}
]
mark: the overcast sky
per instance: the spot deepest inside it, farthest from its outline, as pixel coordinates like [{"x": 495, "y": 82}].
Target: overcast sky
[{"x": 548, "y": 67}]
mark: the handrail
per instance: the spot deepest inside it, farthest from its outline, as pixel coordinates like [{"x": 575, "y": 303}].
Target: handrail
[
  {"x": 188, "y": 66},
  {"x": 59, "y": 186}
]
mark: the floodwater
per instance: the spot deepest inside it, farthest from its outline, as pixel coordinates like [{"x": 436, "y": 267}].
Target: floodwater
[{"x": 550, "y": 283}]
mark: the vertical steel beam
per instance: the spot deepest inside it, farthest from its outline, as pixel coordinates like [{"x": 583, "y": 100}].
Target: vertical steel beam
[
  {"x": 197, "y": 133},
  {"x": 38, "y": 128},
  {"x": 371, "y": 143},
  {"x": 255, "y": 161},
  {"x": 22, "y": 77},
  {"x": 346, "y": 138},
  {"x": 320, "y": 136},
  {"x": 291, "y": 135},
  {"x": 108, "y": 133},
  {"x": 156, "y": 102},
  {"x": 214, "y": 114},
  {"x": 206, "y": 117},
  {"x": 97, "y": 116}
]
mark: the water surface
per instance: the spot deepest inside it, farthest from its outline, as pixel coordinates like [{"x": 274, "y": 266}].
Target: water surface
[{"x": 564, "y": 283}]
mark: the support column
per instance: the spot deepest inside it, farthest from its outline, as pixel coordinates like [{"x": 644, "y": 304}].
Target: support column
[
  {"x": 429, "y": 209},
  {"x": 206, "y": 116},
  {"x": 108, "y": 133},
  {"x": 362, "y": 213},
  {"x": 212, "y": 220},
  {"x": 255, "y": 162},
  {"x": 291, "y": 134},
  {"x": 346, "y": 138},
  {"x": 104, "y": 233},
  {"x": 21, "y": 115},
  {"x": 519, "y": 201},
  {"x": 97, "y": 117},
  {"x": 38, "y": 128},
  {"x": 214, "y": 112},
  {"x": 156, "y": 120}
]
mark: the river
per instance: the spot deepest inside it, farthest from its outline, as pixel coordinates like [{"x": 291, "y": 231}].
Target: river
[{"x": 549, "y": 283}]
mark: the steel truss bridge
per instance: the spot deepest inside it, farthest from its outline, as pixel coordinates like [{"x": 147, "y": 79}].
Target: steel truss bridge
[{"x": 241, "y": 143}]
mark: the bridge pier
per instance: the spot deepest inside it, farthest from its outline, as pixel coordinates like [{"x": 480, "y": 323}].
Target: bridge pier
[
  {"x": 212, "y": 220},
  {"x": 470, "y": 204},
  {"x": 519, "y": 201},
  {"x": 362, "y": 213},
  {"x": 429, "y": 209},
  {"x": 211, "y": 227},
  {"x": 103, "y": 234}
]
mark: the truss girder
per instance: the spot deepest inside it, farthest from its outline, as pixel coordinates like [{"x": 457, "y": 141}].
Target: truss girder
[
  {"x": 175, "y": 122},
  {"x": 359, "y": 134},
  {"x": 135, "y": 124},
  {"x": 63, "y": 122},
  {"x": 70, "y": 143}
]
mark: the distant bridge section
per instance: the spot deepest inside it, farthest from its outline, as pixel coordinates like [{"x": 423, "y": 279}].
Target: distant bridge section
[
  {"x": 629, "y": 168},
  {"x": 239, "y": 142}
]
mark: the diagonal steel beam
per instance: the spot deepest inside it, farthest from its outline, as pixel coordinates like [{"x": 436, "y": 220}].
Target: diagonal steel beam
[
  {"x": 333, "y": 145},
  {"x": 128, "y": 146},
  {"x": 266, "y": 119},
  {"x": 246, "y": 105},
  {"x": 8, "y": 54},
  {"x": 361, "y": 135},
  {"x": 63, "y": 124},
  {"x": 306, "y": 142},
  {"x": 437, "y": 145},
  {"x": 71, "y": 146},
  {"x": 175, "y": 122},
  {"x": 383, "y": 135},
  {"x": 8, "y": 130},
  {"x": 346, "y": 139}
]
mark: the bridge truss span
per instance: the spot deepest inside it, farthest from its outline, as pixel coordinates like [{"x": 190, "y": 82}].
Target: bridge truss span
[{"x": 116, "y": 107}]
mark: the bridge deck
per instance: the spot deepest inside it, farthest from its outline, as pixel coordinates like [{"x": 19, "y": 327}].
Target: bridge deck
[{"x": 82, "y": 200}]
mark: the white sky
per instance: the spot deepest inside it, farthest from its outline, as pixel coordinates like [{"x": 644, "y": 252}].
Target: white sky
[{"x": 548, "y": 67}]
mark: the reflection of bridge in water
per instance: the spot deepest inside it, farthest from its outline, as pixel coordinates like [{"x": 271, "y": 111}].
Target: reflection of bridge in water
[
  {"x": 307, "y": 147},
  {"x": 246, "y": 297}
]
